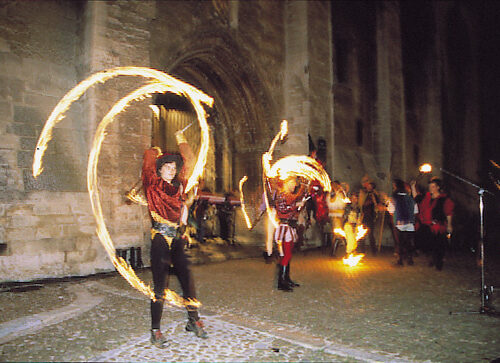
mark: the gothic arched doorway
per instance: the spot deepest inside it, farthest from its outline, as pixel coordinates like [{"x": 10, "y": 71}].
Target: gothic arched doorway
[{"x": 239, "y": 119}]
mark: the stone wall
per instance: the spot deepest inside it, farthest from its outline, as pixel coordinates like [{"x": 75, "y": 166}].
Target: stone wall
[
  {"x": 46, "y": 48},
  {"x": 335, "y": 70},
  {"x": 45, "y": 224}
]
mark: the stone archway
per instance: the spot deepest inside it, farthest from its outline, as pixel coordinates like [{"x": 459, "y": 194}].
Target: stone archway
[{"x": 242, "y": 110}]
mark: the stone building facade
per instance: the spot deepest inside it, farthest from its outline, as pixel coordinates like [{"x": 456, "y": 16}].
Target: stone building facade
[{"x": 377, "y": 82}]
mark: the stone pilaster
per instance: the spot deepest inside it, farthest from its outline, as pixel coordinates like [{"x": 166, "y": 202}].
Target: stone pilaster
[
  {"x": 390, "y": 127},
  {"x": 296, "y": 81}
]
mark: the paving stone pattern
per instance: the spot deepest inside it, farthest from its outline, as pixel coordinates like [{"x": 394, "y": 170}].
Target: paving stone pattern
[{"x": 375, "y": 312}]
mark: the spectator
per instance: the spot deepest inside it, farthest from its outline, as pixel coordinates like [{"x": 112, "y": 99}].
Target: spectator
[
  {"x": 403, "y": 209},
  {"x": 436, "y": 214},
  {"x": 201, "y": 217},
  {"x": 225, "y": 212},
  {"x": 369, "y": 204}
]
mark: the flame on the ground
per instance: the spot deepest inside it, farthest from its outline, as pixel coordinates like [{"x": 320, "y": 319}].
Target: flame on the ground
[
  {"x": 242, "y": 200},
  {"x": 161, "y": 83},
  {"x": 353, "y": 259}
]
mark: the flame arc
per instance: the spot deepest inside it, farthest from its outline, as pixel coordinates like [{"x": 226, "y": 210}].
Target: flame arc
[
  {"x": 176, "y": 86},
  {"x": 242, "y": 200},
  {"x": 161, "y": 83}
]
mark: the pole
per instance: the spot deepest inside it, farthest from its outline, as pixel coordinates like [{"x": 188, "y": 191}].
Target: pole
[
  {"x": 485, "y": 290},
  {"x": 381, "y": 231}
]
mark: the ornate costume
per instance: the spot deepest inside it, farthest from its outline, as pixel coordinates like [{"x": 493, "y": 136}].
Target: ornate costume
[
  {"x": 288, "y": 206},
  {"x": 166, "y": 207}
]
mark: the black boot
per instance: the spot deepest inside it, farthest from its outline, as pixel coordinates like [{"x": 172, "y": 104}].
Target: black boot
[
  {"x": 288, "y": 279},
  {"x": 283, "y": 284},
  {"x": 195, "y": 325},
  {"x": 157, "y": 338}
]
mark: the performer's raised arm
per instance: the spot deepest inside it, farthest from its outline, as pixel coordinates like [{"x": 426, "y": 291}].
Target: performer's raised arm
[{"x": 149, "y": 174}]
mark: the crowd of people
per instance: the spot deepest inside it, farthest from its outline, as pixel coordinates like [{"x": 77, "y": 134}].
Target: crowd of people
[{"x": 420, "y": 222}]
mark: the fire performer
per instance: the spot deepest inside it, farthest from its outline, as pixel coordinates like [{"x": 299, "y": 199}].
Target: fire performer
[
  {"x": 290, "y": 199},
  {"x": 163, "y": 177}
]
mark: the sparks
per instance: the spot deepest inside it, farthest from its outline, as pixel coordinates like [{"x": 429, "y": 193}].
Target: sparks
[{"x": 161, "y": 83}]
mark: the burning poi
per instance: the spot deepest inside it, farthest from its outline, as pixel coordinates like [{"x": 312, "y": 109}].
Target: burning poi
[{"x": 159, "y": 82}]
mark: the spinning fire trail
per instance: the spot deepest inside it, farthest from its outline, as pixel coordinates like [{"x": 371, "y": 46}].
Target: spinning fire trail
[
  {"x": 159, "y": 83},
  {"x": 299, "y": 166},
  {"x": 291, "y": 165}
]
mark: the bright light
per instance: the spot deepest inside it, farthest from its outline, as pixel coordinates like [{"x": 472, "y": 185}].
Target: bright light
[
  {"x": 425, "y": 168},
  {"x": 360, "y": 232},
  {"x": 340, "y": 232},
  {"x": 352, "y": 260}
]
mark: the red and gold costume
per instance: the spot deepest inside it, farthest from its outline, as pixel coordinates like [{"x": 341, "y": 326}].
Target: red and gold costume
[
  {"x": 168, "y": 212},
  {"x": 287, "y": 212},
  {"x": 288, "y": 206},
  {"x": 164, "y": 199}
]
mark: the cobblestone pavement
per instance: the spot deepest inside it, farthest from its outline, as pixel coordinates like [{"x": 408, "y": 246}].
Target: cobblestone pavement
[{"x": 372, "y": 312}]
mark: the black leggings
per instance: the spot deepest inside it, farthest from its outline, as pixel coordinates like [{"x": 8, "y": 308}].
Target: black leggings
[
  {"x": 163, "y": 259},
  {"x": 439, "y": 244},
  {"x": 405, "y": 245}
]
